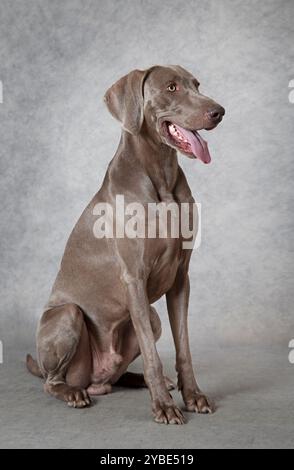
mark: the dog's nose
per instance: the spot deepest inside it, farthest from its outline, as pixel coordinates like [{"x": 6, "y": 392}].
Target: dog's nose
[{"x": 215, "y": 114}]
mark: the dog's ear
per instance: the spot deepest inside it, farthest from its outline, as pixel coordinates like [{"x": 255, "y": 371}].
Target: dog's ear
[{"x": 125, "y": 100}]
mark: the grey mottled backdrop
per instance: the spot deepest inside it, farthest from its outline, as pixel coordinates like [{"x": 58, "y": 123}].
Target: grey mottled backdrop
[{"x": 57, "y": 60}]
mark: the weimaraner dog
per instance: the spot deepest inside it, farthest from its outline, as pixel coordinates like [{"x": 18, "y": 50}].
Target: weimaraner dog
[{"x": 99, "y": 316}]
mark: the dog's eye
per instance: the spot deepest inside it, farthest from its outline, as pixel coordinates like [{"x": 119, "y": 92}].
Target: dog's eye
[{"x": 172, "y": 87}]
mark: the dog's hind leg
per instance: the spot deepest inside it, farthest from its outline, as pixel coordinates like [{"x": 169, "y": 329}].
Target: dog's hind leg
[
  {"x": 131, "y": 351},
  {"x": 64, "y": 354}
]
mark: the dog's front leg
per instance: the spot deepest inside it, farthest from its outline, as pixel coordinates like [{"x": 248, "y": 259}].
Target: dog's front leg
[
  {"x": 163, "y": 406},
  {"x": 177, "y": 304}
]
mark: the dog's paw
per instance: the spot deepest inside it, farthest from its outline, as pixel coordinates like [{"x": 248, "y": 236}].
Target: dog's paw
[
  {"x": 78, "y": 398},
  {"x": 199, "y": 403},
  {"x": 99, "y": 389},
  {"x": 167, "y": 414},
  {"x": 74, "y": 397}
]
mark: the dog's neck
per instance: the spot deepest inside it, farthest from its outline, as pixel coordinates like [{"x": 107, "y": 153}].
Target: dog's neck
[{"x": 159, "y": 161}]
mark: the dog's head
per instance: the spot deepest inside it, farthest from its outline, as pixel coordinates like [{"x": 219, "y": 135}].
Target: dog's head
[{"x": 166, "y": 101}]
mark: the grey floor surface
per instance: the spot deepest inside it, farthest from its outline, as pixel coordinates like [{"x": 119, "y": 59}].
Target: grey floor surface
[{"x": 254, "y": 391}]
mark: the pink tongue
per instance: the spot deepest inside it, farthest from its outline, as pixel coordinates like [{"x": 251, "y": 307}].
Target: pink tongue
[{"x": 198, "y": 145}]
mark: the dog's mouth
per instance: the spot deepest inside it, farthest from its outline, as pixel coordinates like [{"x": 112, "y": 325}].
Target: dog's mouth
[{"x": 187, "y": 141}]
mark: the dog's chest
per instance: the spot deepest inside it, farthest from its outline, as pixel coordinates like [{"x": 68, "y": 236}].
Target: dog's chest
[{"x": 164, "y": 268}]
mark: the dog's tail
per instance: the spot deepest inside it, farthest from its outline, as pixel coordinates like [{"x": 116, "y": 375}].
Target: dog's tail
[{"x": 33, "y": 367}]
